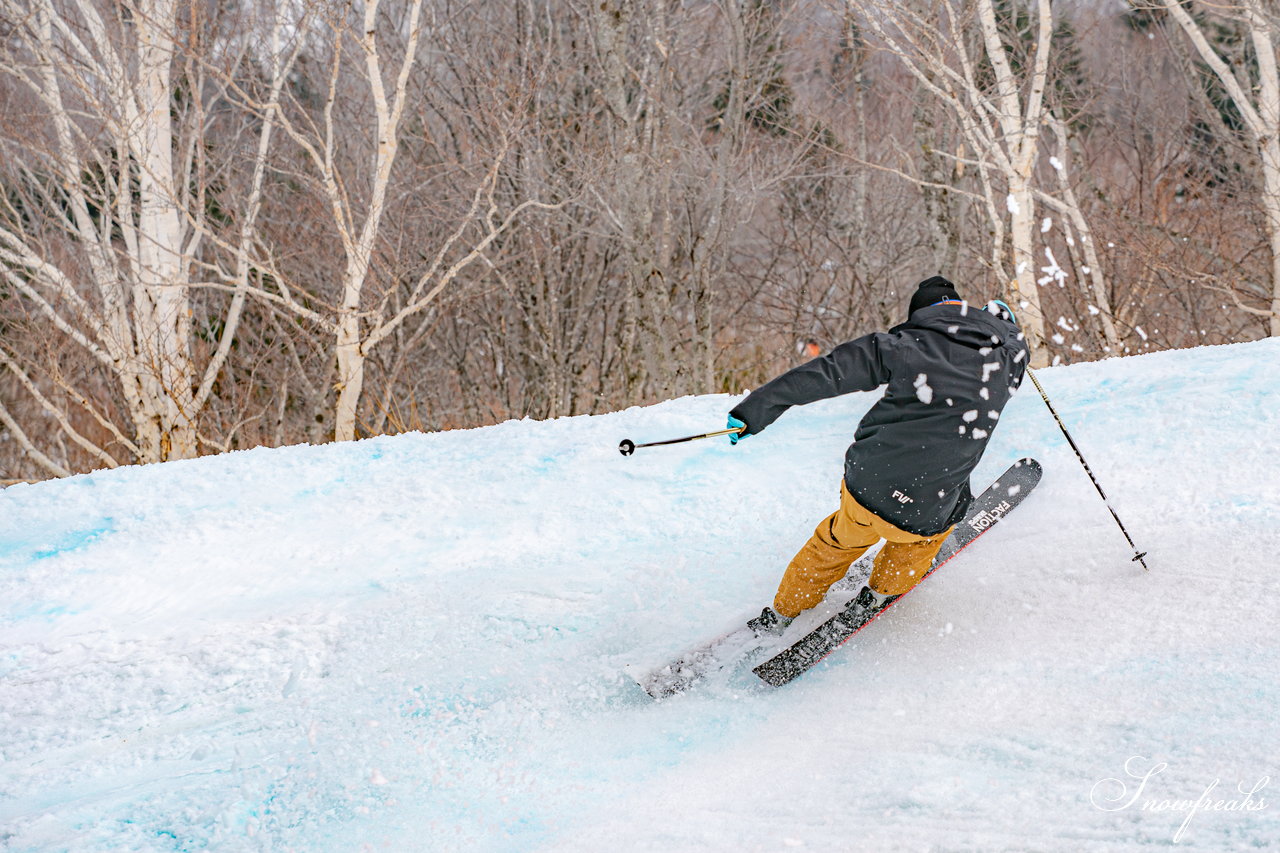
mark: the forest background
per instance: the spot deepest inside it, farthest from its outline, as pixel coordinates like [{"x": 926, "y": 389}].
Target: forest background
[{"x": 231, "y": 224}]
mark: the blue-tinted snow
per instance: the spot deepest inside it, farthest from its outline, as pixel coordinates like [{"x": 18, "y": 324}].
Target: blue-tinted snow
[{"x": 417, "y": 643}]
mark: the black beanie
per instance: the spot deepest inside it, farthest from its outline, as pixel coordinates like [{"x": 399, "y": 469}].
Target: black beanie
[{"x": 930, "y": 292}]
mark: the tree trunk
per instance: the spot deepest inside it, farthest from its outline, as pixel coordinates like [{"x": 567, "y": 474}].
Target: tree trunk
[
  {"x": 1268, "y": 137},
  {"x": 1023, "y": 285},
  {"x": 1271, "y": 207},
  {"x": 350, "y": 381},
  {"x": 164, "y": 417}
]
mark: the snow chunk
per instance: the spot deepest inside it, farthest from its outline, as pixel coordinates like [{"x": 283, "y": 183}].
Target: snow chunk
[
  {"x": 1011, "y": 203},
  {"x": 923, "y": 392},
  {"x": 1052, "y": 272},
  {"x": 970, "y": 416}
]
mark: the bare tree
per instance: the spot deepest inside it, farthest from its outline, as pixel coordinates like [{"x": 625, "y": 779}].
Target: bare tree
[
  {"x": 1066, "y": 203},
  {"x": 351, "y": 157},
  {"x": 1257, "y": 98},
  {"x": 106, "y": 214},
  {"x": 633, "y": 88},
  {"x": 1001, "y": 121},
  {"x": 691, "y": 93},
  {"x": 223, "y": 226}
]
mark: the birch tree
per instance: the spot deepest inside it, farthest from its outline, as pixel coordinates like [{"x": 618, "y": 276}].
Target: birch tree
[
  {"x": 1257, "y": 98},
  {"x": 104, "y": 218},
  {"x": 1000, "y": 122},
  {"x": 350, "y": 146}
]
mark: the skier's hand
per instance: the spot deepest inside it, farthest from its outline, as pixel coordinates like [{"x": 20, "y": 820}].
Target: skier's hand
[{"x": 734, "y": 423}]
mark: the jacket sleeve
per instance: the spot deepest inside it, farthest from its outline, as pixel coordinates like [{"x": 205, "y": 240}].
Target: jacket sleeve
[{"x": 859, "y": 365}]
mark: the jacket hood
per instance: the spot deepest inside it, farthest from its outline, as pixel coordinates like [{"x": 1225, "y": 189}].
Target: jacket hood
[{"x": 969, "y": 325}]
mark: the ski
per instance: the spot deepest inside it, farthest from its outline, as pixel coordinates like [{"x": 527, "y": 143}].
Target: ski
[
  {"x": 737, "y": 644},
  {"x": 697, "y": 663},
  {"x": 988, "y": 508},
  {"x": 741, "y": 643}
]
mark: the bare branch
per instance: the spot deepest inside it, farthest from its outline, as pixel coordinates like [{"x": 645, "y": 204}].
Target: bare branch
[
  {"x": 56, "y": 412},
  {"x": 23, "y": 439}
]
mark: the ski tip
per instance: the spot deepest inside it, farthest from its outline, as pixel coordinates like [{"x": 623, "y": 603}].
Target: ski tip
[
  {"x": 639, "y": 679},
  {"x": 659, "y": 690},
  {"x": 650, "y": 694},
  {"x": 1027, "y": 469},
  {"x": 656, "y": 684}
]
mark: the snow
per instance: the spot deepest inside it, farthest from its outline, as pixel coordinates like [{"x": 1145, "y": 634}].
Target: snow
[
  {"x": 417, "y": 643},
  {"x": 1052, "y": 271},
  {"x": 923, "y": 391}
]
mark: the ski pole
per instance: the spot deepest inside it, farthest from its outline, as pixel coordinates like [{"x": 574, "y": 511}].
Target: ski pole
[
  {"x": 627, "y": 446},
  {"x": 1137, "y": 555}
]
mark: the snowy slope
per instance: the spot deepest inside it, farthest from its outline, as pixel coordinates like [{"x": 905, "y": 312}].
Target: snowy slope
[{"x": 416, "y": 643}]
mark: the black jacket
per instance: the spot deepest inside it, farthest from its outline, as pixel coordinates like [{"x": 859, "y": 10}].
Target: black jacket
[{"x": 950, "y": 369}]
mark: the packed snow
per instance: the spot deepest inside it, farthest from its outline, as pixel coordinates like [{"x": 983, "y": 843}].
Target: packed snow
[{"x": 418, "y": 642}]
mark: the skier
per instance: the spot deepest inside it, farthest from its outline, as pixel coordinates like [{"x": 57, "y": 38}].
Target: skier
[{"x": 950, "y": 370}]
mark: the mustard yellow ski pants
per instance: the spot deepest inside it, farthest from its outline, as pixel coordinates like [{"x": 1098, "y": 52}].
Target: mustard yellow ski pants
[{"x": 843, "y": 537}]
